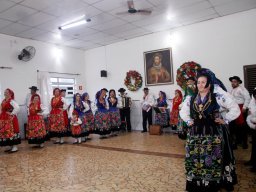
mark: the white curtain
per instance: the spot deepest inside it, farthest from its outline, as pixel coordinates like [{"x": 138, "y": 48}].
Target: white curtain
[{"x": 45, "y": 88}]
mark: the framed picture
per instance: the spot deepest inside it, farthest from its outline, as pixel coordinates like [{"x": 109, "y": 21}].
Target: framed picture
[{"x": 158, "y": 67}]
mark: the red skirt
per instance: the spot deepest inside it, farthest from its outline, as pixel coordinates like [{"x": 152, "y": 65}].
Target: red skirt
[
  {"x": 240, "y": 120},
  {"x": 9, "y": 129},
  {"x": 174, "y": 117},
  {"x": 36, "y": 127},
  {"x": 76, "y": 130},
  {"x": 9, "y": 125},
  {"x": 57, "y": 121}
]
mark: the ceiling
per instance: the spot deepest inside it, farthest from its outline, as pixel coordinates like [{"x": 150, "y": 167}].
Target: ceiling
[{"x": 40, "y": 19}]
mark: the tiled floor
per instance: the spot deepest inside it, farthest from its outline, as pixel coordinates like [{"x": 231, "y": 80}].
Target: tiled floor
[{"x": 130, "y": 162}]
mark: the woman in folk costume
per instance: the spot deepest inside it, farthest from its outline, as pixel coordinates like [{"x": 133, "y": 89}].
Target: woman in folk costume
[
  {"x": 161, "y": 118},
  {"x": 174, "y": 114},
  {"x": 209, "y": 161},
  {"x": 76, "y": 129},
  {"x": 36, "y": 130},
  {"x": 58, "y": 117},
  {"x": 9, "y": 126},
  {"x": 251, "y": 121},
  {"x": 102, "y": 118},
  {"x": 88, "y": 120},
  {"x": 114, "y": 114},
  {"x": 77, "y": 106}
]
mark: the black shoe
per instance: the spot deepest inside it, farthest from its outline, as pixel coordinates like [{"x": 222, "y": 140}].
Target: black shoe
[
  {"x": 143, "y": 131},
  {"x": 129, "y": 130},
  {"x": 7, "y": 151},
  {"x": 248, "y": 163},
  {"x": 75, "y": 142},
  {"x": 56, "y": 142}
]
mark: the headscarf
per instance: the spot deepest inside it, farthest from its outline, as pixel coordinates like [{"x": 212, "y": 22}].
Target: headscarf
[
  {"x": 179, "y": 92},
  {"x": 111, "y": 91},
  {"x": 163, "y": 100},
  {"x": 84, "y": 95},
  {"x": 97, "y": 96},
  {"x": 11, "y": 93},
  {"x": 81, "y": 106},
  {"x": 213, "y": 78}
]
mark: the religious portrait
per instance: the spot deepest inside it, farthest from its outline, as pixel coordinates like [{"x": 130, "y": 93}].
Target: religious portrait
[{"x": 158, "y": 67}]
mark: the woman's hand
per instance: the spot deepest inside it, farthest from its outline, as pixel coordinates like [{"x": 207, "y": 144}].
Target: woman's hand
[
  {"x": 220, "y": 121},
  {"x": 190, "y": 123}
]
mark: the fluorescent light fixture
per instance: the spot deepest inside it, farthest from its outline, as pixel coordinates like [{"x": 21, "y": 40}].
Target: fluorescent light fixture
[{"x": 75, "y": 22}]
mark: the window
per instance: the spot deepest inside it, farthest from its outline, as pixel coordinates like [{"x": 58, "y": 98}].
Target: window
[
  {"x": 250, "y": 77},
  {"x": 65, "y": 83}
]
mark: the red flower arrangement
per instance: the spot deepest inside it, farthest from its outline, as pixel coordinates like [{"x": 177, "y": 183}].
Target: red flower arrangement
[
  {"x": 186, "y": 70},
  {"x": 137, "y": 78}
]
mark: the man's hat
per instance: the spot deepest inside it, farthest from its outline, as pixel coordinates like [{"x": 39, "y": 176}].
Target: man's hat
[
  {"x": 121, "y": 90},
  {"x": 236, "y": 78},
  {"x": 145, "y": 89},
  {"x": 33, "y": 88}
]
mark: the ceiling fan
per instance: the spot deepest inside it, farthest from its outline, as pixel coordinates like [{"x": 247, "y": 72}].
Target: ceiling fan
[{"x": 132, "y": 10}]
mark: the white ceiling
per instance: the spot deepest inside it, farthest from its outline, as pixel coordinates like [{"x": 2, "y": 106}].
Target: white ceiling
[{"x": 40, "y": 19}]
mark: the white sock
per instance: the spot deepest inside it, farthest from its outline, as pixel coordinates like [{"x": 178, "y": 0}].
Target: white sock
[
  {"x": 61, "y": 140},
  {"x": 79, "y": 139},
  {"x": 41, "y": 145},
  {"x": 14, "y": 148}
]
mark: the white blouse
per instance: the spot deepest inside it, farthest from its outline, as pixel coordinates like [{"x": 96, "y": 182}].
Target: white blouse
[
  {"x": 148, "y": 101},
  {"x": 241, "y": 96},
  {"x": 15, "y": 106},
  {"x": 251, "y": 118},
  {"x": 229, "y": 109}
]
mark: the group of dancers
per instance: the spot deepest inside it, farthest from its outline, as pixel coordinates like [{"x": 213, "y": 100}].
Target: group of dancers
[
  {"x": 78, "y": 119},
  {"x": 206, "y": 112}
]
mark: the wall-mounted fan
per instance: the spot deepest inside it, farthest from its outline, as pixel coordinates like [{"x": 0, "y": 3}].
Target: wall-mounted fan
[
  {"x": 132, "y": 10},
  {"x": 27, "y": 53}
]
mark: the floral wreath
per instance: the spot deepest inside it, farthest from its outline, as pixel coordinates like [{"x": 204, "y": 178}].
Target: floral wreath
[
  {"x": 186, "y": 70},
  {"x": 138, "y": 80}
]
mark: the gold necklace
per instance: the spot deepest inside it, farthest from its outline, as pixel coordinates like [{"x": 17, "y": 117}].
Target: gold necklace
[{"x": 201, "y": 108}]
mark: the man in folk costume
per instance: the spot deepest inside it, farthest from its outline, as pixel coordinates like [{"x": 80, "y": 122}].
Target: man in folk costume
[
  {"x": 147, "y": 103},
  {"x": 124, "y": 104},
  {"x": 242, "y": 98},
  {"x": 9, "y": 125}
]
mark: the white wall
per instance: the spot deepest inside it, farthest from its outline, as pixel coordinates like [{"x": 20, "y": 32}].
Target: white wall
[
  {"x": 224, "y": 45},
  {"x": 24, "y": 74}
]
